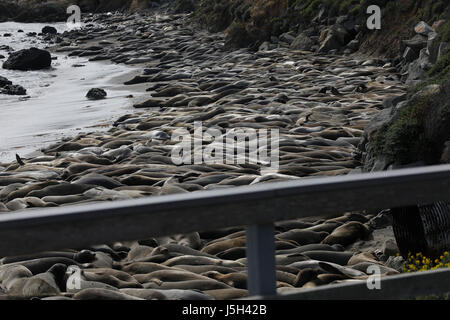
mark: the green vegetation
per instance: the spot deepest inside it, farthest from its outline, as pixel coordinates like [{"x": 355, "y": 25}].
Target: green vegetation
[
  {"x": 403, "y": 140},
  {"x": 420, "y": 129}
]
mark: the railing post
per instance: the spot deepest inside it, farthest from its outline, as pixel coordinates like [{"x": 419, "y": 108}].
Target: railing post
[{"x": 261, "y": 279}]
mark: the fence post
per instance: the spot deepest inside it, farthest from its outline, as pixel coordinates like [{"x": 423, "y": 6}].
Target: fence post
[{"x": 261, "y": 279}]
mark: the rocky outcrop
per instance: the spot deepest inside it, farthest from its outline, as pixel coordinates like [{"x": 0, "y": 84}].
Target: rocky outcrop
[{"x": 409, "y": 132}]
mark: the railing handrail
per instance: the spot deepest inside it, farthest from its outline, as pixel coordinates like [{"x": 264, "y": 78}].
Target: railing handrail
[{"x": 258, "y": 206}]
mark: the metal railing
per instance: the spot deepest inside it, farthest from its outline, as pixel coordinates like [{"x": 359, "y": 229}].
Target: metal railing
[{"x": 256, "y": 206}]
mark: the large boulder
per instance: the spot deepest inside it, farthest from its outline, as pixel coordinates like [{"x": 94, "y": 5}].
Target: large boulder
[
  {"x": 28, "y": 59},
  {"x": 302, "y": 42},
  {"x": 336, "y": 37}
]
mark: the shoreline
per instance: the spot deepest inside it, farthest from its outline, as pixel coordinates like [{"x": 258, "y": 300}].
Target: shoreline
[{"x": 65, "y": 84}]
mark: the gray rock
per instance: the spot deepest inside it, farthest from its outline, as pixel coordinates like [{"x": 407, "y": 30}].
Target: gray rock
[
  {"x": 302, "y": 42},
  {"x": 392, "y": 101},
  {"x": 415, "y": 73},
  {"x": 444, "y": 47},
  {"x": 390, "y": 248},
  {"x": 381, "y": 220},
  {"x": 395, "y": 263},
  {"x": 266, "y": 46},
  {"x": 331, "y": 42},
  {"x": 417, "y": 42},
  {"x": 287, "y": 37},
  {"x": 423, "y": 28}
]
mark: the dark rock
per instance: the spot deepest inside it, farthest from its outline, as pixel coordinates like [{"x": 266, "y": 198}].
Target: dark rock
[
  {"x": 14, "y": 90},
  {"x": 49, "y": 30},
  {"x": 410, "y": 54},
  {"x": 336, "y": 37},
  {"x": 287, "y": 37},
  {"x": 353, "y": 45},
  {"x": 392, "y": 101},
  {"x": 49, "y": 11},
  {"x": 182, "y": 6},
  {"x": 4, "y": 81},
  {"x": 381, "y": 220},
  {"x": 330, "y": 43},
  {"x": 96, "y": 94},
  {"x": 28, "y": 59},
  {"x": 445, "y": 157}
]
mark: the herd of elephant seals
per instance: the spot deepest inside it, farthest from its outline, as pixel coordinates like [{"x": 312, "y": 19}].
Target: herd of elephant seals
[{"x": 191, "y": 77}]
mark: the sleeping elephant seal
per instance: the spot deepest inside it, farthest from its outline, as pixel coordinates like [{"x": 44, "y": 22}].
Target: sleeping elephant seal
[
  {"x": 347, "y": 234},
  {"x": 19, "y": 282},
  {"x": 167, "y": 294},
  {"x": 103, "y": 294},
  {"x": 302, "y": 236}
]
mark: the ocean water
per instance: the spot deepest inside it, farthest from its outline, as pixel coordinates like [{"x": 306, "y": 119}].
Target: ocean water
[{"x": 56, "y": 105}]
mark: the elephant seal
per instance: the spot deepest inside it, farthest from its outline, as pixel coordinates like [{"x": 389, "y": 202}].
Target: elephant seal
[
  {"x": 217, "y": 247},
  {"x": 233, "y": 253},
  {"x": 76, "y": 281},
  {"x": 201, "y": 285},
  {"x": 18, "y": 281},
  {"x": 304, "y": 276},
  {"x": 115, "y": 278},
  {"x": 143, "y": 267},
  {"x": 169, "y": 275},
  {"x": 363, "y": 257},
  {"x": 311, "y": 247},
  {"x": 43, "y": 264},
  {"x": 302, "y": 236},
  {"x": 235, "y": 279},
  {"x": 347, "y": 233},
  {"x": 103, "y": 294},
  {"x": 167, "y": 294},
  {"x": 83, "y": 256},
  {"x": 227, "y": 294},
  {"x": 205, "y": 268},
  {"x": 339, "y": 257},
  {"x": 196, "y": 260}
]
